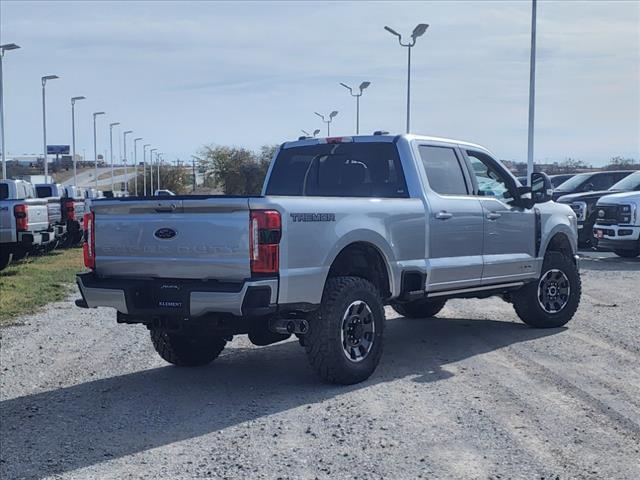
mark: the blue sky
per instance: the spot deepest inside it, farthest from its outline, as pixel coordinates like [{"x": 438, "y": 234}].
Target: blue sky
[{"x": 183, "y": 74}]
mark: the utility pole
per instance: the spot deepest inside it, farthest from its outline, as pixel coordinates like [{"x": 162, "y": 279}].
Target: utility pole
[
  {"x": 95, "y": 149},
  {"x": 328, "y": 122},
  {"x": 111, "y": 125},
  {"x": 73, "y": 137},
  {"x": 44, "y": 124},
  {"x": 3, "y": 48},
  {"x": 362, "y": 86},
  {"x": 532, "y": 92},
  {"x": 135, "y": 162},
  {"x": 417, "y": 32}
]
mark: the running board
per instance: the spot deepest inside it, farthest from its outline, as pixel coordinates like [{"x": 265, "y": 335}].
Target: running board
[{"x": 475, "y": 289}]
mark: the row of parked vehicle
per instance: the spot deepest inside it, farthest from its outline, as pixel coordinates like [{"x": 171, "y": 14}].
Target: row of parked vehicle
[
  {"x": 39, "y": 218},
  {"x": 607, "y": 205}
]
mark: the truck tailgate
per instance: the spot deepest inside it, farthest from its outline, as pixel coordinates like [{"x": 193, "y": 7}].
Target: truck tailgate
[{"x": 194, "y": 238}]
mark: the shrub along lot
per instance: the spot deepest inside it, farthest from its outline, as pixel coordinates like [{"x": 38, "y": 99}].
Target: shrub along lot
[{"x": 28, "y": 285}]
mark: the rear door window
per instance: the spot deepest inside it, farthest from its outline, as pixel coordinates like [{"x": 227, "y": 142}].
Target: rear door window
[
  {"x": 338, "y": 170},
  {"x": 4, "y": 191},
  {"x": 444, "y": 170}
]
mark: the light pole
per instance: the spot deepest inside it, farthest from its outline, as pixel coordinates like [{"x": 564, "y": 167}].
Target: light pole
[
  {"x": 151, "y": 169},
  {"x": 135, "y": 164},
  {"x": 124, "y": 159},
  {"x": 417, "y": 32},
  {"x": 328, "y": 122},
  {"x": 73, "y": 137},
  {"x": 44, "y": 124},
  {"x": 362, "y": 86},
  {"x": 111, "y": 125},
  {"x": 3, "y": 48},
  {"x": 158, "y": 160},
  {"x": 95, "y": 149},
  {"x": 144, "y": 167},
  {"x": 532, "y": 92}
]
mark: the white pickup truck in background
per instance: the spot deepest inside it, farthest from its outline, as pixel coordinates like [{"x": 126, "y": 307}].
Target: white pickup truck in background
[
  {"x": 617, "y": 226},
  {"x": 24, "y": 221}
]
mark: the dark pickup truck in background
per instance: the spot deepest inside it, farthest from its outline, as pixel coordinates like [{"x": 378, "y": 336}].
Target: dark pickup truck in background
[{"x": 589, "y": 182}]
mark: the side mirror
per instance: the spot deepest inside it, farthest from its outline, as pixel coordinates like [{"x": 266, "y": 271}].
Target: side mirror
[
  {"x": 588, "y": 187},
  {"x": 541, "y": 187}
]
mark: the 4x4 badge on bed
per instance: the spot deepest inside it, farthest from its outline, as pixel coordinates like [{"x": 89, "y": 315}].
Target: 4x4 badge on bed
[{"x": 165, "y": 233}]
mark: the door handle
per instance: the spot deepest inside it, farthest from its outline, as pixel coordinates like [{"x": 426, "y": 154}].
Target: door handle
[
  {"x": 166, "y": 208},
  {"x": 443, "y": 215},
  {"x": 493, "y": 215}
]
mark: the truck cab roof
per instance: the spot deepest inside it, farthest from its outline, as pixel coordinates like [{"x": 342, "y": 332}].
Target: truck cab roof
[{"x": 382, "y": 138}]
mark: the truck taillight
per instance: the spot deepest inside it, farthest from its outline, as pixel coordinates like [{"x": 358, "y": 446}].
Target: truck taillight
[
  {"x": 70, "y": 209},
  {"x": 22, "y": 217},
  {"x": 89, "y": 245},
  {"x": 265, "y": 230}
]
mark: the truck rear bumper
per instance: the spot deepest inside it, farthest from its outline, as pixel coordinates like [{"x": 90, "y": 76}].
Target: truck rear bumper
[{"x": 177, "y": 297}]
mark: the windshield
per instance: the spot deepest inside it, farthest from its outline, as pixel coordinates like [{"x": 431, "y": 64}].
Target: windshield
[
  {"x": 630, "y": 182},
  {"x": 574, "y": 182}
]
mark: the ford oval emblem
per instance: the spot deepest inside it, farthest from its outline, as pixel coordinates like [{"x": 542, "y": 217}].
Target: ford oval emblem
[
  {"x": 165, "y": 233},
  {"x": 601, "y": 213}
]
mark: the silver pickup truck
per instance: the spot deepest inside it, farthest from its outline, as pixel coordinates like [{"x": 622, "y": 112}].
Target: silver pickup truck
[
  {"x": 344, "y": 227},
  {"x": 67, "y": 203},
  {"x": 24, "y": 221}
]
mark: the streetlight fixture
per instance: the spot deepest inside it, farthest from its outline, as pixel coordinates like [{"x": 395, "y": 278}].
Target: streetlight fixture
[
  {"x": 307, "y": 134},
  {"x": 417, "y": 32},
  {"x": 144, "y": 167},
  {"x": 328, "y": 122},
  {"x": 44, "y": 124},
  {"x": 73, "y": 136},
  {"x": 135, "y": 164},
  {"x": 124, "y": 139},
  {"x": 111, "y": 125},
  {"x": 95, "y": 149},
  {"x": 362, "y": 86},
  {"x": 151, "y": 169},
  {"x": 3, "y": 48}
]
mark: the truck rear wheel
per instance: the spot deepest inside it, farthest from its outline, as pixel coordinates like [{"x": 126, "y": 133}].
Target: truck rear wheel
[
  {"x": 423, "y": 308},
  {"x": 345, "y": 338},
  {"x": 19, "y": 253},
  {"x": 5, "y": 258},
  {"x": 187, "y": 350},
  {"x": 551, "y": 301}
]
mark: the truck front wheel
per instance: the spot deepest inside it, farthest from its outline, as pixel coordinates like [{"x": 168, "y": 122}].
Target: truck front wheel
[
  {"x": 423, "y": 308},
  {"x": 344, "y": 342},
  {"x": 553, "y": 299},
  {"x": 187, "y": 350}
]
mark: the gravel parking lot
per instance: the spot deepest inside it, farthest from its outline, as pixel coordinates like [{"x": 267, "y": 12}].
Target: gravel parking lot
[{"x": 471, "y": 394}]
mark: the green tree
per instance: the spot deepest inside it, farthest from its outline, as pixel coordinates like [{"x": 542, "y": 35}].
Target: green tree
[
  {"x": 238, "y": 171},
  {"x": 171, "y": 178}
]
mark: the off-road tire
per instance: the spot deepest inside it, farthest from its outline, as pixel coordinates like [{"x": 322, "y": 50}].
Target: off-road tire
[
  {"x": 20, "y": 253},
  {"x": 525, "y": 300},
  {"x": 323, "y": 342},
  {"x": 187, "y": 350},
  {"x": 423, "y": 308},
  {"x": 628, "y": 253}
]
